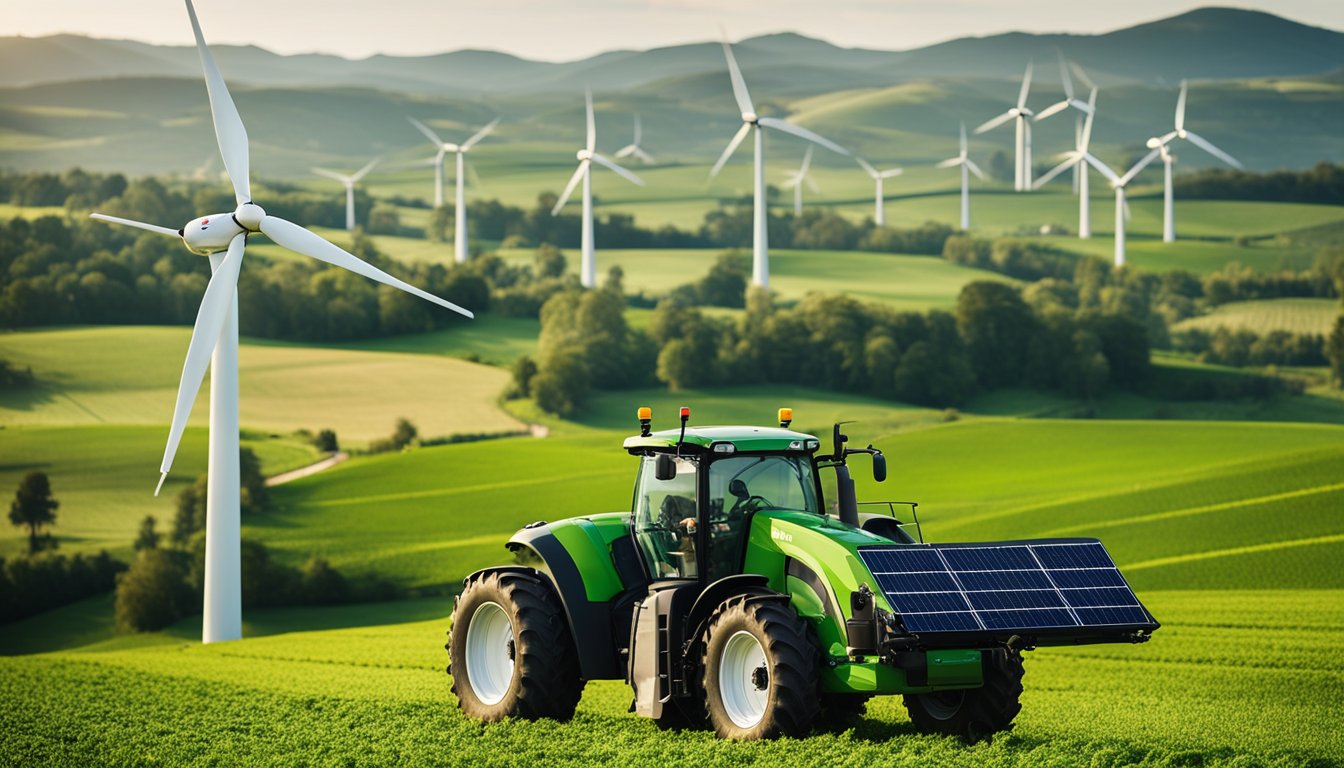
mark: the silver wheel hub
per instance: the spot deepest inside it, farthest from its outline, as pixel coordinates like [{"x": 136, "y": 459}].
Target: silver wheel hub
[
  {"x": 744, "y": 680},
  {"x": 490, "y": 653}
]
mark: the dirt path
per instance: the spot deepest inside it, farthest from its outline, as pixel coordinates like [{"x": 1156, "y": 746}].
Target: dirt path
[{"x": 311, "y": 469}]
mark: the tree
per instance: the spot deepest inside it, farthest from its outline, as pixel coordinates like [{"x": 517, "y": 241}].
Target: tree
[
  {"x": 563, "y": 381},
  {"x": 147, "y": 538},
  {"x": 34, "y": 507},
  {"x": 190, "y": 516},
  {"x": 326, "y": 441},
  {"x": 549, "y": 261},
  {"x": 1334, "y": 350},
  {"x": 153, "y": 593},
  {"x": 997, "y": 327},
  {"x": 404, "y": 433}
]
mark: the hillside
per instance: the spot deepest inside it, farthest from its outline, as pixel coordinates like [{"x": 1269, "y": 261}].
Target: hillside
[{"x": 1204, "y": 43}]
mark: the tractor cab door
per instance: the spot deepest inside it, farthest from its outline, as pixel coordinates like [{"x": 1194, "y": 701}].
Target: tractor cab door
[{"x": 664, "y": 521}]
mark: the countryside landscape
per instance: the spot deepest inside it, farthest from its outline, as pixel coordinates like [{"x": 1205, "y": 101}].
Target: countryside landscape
[{"x": 1170, "y": 386}]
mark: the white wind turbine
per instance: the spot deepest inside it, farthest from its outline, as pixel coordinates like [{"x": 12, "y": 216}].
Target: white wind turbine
[
  {"x": 966, "y": 164},
  {"x": 760, "y": 246},
  {"x": 349, "y": 181},
  {"x": 633, "y": 149},
  {"x": 879, "y": 197},
  {"x": 1022, "y": 116},
  {"x": 587, "y": 156},
  {"x": 1162, "y": 144},
  {"x": 1071, "y": 100},
  {"x": 214, "y": 344},
  {"x": 460, "y": 204},
  {"x": 1078, "y": 160},
  {"x": 1118, "y": 183},
  {"x": 796, "y": 179}
]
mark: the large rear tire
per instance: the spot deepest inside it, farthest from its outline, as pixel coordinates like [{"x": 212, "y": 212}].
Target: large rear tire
[
  {"x": 760, "y": 671},
  {"x": 973, "y": 713},
  {"x": 510, "y": 650}
]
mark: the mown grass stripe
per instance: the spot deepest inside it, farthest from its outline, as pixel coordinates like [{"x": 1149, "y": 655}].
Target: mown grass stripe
[
  {"x": 1188, "y": 511},
  {"x": 461, "y": 489},
  {"x": 1233, "y": 551}
]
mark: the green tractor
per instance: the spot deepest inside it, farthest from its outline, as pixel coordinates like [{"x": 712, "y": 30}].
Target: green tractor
[{"x": 736, "y": 595}]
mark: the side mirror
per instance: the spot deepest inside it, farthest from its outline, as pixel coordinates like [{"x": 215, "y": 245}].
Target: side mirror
[
  {"x": 665, "y": 467},
  {"x": 879, "y": 467}
]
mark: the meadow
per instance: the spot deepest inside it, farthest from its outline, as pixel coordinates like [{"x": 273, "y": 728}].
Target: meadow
[{"x": 1297, "y": 316}]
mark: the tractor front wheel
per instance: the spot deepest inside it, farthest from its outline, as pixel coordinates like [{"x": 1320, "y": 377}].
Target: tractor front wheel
[
  {"x": 760, "y": 670},
  {"x": 973, "y": 713},
  {"x": 510, "y": 651}
]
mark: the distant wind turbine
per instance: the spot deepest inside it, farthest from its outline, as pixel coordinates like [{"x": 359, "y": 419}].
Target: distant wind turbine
[
  {"x": 349, "y": 181},
  {"x": 1023, "y": 117},
  {"x": 633, "y": 149},
  {"x": 1118, "y": 183},
  {"x": 1078, "y": 160},
  {"x": 1070, "y": 100},
  {"x": 214, "y": 343},
  {"x": 587, "y": 156},
  {"x": 796, "y": 179},
  {"x": 879, "y": 197},
  {"x": 1162, "y": 144},
  {"x": 460, "y": 253},
  {"x": 964, "y": 162},
  {"x": 760, "y": 245}
]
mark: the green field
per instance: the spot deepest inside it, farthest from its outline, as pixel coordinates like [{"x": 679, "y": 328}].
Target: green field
[
  {"x": 1298, "y": 316},
  {"x": 129, "y": 375}
]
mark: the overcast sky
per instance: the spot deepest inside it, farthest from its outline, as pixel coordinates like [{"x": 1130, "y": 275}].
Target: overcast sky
[{"x": 557, "y": 31}]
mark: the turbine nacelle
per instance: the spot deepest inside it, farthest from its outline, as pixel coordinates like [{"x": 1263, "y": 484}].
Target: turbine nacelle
[
  {"x": 584, "y": 154},
  {"x": 211, "y": 234},
  {"x": 750, "y": 117},
  {"x": 452, "y": 148}
]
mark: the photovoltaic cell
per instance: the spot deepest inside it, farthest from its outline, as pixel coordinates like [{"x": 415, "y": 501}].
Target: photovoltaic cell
[{"x": 1008, "y": 587}]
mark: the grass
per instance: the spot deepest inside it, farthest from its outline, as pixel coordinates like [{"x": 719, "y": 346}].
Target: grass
[
  {"x": 129, "y": 375},
  {"x": 1297, "y": 316}
]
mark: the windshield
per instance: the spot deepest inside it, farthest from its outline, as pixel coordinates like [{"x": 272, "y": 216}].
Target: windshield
[{"x": 748, "y": 483}]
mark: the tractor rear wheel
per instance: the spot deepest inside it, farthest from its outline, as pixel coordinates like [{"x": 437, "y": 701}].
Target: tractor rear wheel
[
  {"x": 510, "y": 651},
  {"x": 973, "y": 713},
  {"x": 760, "y": 670}
]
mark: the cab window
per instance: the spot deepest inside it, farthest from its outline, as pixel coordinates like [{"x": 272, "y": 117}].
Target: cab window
[
  {"x": 665, "y": 520},
  {"x": 744, "y": 484}
]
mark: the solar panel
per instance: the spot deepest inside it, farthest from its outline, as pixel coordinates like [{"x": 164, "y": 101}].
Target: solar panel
[{"x": 1052, "y": 586}]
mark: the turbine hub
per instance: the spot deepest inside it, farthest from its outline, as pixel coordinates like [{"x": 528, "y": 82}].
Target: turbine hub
[
  {"x": 451, "y": 148},
  {"x": 1154, "y": 143},
  {"x": 584, "y": 154},
  {"x": 750, "y": 117},
  {"x": 249, "y": 216},
  {"x": 1181, "y": 133}
]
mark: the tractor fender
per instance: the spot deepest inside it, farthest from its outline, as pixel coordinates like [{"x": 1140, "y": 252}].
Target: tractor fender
[
  {"x": 589, "y": 622},
  {"x": 755, "y": 585}
]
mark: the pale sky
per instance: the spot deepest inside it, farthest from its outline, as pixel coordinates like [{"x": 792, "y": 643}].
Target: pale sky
[{"x": 559, "y": 31}]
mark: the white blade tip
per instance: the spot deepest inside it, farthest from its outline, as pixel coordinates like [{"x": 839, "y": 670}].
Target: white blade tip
[{"x": 159, "y": 487}]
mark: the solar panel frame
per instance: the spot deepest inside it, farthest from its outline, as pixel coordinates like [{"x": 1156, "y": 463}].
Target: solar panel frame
[{"x": 1051, "y": 590}]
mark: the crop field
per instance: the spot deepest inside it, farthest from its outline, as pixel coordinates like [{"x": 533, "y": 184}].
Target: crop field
[
  {"x": 129, "y": 375},
  {"x": 1298, "y": 316}
]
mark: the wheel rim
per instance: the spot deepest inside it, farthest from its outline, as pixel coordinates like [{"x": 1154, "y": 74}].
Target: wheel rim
[
  {"x": 489, "y": 653},
  {"x": 943, "y": 705},
  {"x": 744, "y": 680}
]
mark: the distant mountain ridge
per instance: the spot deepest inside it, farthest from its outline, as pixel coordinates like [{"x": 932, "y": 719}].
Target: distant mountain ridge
[{"x": 1208, "y": 43}]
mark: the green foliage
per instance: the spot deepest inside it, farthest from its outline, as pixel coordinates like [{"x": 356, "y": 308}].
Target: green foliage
[
  {"x": 34, "y": 508},
  {"x": 585, "y": 343},
  {"x": 326, "y": 441},
  {"x": 1323, "y": 183},
  {"x": 403, "y": 434},
  {"x": 191, "y": 500},
  {"x": 13, "y": 378},
  {"x": 146, "y": 537},
  {"x": 153, "y": 593},
  {"x": 37, "y": 583},
  {"x": 1334, "y": 350}
]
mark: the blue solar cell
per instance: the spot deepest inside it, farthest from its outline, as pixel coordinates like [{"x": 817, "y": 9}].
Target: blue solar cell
[{"x": 1004, "y": 587}]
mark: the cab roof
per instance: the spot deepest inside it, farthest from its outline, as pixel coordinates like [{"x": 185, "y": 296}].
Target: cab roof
[{"x": 743, "y": 438}]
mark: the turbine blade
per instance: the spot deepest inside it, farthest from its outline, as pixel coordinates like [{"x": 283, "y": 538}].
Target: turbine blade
[
  {"x": 1055, "y": 108},
  {"x": 807, "y": 161},
  {"x": 802, "y": 133},
  {"x": 592, "y": 123},
  {"x": 1207, "y": 146},
  {"x": 739, "y": 85},
  {"x": 1127, "y": 213},
  {"x": 1074, "y": 159},
  {"x": 473, "y": 176},
  {"x": 1166, "y": 137},
  {"x": 362, "y": 172},
  {"x": 215, "y": 306},
  {"x": 812, "y": 184},
  {"x": 626, "y": 151},
  {"x": 963, "y": 139},
  {"x": 569, "y": 188},
  {"x": 870, "y": 170},
  {"x": 1081, "y": 75},
  {"x": 603, "y": 161},
  {"x": 950, "y": 162},
  {"x": 732, "y": 147},
  {"x": 644, "y": 156},
  {"x": 136, "y": 224},
  {"x": 1086, "y": 139},
  {"x": 1102, "y": 168},
  {"x": 990, "y": 125},
  {"x": 301, "y": 241},
  {"x": 1064, "y": 76},
  {"x": 229, "y": 130},
  {"x": 889, "y": 173},
  {"x": 970, "y": 164},
  {"x": 1139, "y": 166},
  {"x": 792, "y": 181},
  {"x": 638, "y": 130},
  {"x": 432, "y": 136},
  {"x": 334, "y": 176},
  {"x": 1180, "y": 108},
  {"x": 1026, "y": 87},
  {"x": 481, "y": 134}
]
